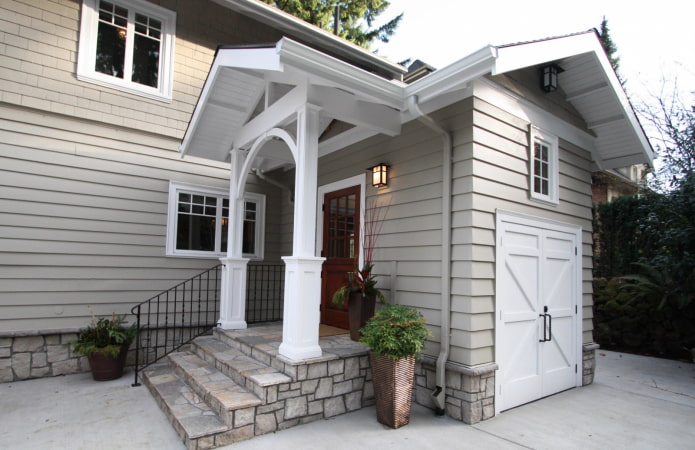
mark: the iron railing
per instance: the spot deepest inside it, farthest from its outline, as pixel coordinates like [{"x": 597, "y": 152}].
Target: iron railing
[
  {"x": 175, "y": 317},
  {"x": 265, "y": 285}
]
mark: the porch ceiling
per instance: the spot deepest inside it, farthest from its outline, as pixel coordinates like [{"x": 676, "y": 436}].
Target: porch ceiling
[{"x": 251, "y": 90}]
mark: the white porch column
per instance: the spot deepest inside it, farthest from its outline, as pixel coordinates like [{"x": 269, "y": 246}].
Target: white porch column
[
  {"x": 233, "y": 289},
  {"x": 300, "y": 328}
]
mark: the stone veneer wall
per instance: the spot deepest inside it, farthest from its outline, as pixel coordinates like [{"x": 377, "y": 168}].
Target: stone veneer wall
[
  {"x": 589, "y": 363},
  {"x": 470, "y": 393},
  {"x": 39, "y": 355}
]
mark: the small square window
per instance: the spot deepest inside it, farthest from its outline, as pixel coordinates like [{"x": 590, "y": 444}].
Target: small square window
[
  {"x": 544, "y": 173},
  {"x": 127, "y": 45}
]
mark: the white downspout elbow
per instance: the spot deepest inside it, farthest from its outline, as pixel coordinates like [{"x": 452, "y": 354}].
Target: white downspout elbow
[{"x": 439, "y": 394}]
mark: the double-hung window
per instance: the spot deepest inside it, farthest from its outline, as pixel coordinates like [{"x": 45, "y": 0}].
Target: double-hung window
[
  {"x": 127, "y": 45},
  {"x": 544, "y": 173},
  {"x": 198, "y": 222}
]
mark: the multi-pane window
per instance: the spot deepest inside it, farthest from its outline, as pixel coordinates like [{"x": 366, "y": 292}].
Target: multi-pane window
[
  {"x": 199, "y": 220},
  {"x": 127, "y": 44},
  {"x": 540, "y": 168},
  {"x": 544, "y": 166}
]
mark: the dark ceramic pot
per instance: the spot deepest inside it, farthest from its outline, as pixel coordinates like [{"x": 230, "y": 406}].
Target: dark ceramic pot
[
  {"x": 106, "y": 367},
  {"x": 360, "y": 310}
]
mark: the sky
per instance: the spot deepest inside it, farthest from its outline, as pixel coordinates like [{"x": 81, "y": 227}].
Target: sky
[{"x": 655, "y": 39}]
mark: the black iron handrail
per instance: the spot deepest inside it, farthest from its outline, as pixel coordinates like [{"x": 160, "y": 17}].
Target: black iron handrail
[{"x": 173, "y": 318}]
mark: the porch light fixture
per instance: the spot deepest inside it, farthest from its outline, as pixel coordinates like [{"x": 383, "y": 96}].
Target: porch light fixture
[
  {"x": 549, "y": 77},
  {"x": 380, "y": 174}
]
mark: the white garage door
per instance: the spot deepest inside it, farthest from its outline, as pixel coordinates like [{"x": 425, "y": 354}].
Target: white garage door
[{"x": 537, "y": 341}]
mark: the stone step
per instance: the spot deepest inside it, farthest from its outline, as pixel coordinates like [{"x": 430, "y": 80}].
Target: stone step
[
  {"x": 256, "y": 376},
  {"x": 199, "y": 426},
  {"x": 219, "y": 391}
]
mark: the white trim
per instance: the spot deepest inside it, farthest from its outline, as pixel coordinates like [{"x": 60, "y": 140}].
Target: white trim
[
  {"x": 87, "y": 49},
  {"x": 548, "y": 224},
  {"x": 551, "y": 141},
  {"x": 175, "y": 187},
  {"x": 357, "y": 180}
]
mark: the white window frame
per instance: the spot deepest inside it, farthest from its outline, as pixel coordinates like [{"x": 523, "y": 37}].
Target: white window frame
[
  {"x": 86, "y": 57},
  {"x": 537, "y": 134},
  {"x": 172, "y": 214}
]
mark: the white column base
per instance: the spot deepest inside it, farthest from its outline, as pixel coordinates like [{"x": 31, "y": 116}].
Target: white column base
[
  {"x": 233, "y": 294},
  {"x": 300, "y": 326}
]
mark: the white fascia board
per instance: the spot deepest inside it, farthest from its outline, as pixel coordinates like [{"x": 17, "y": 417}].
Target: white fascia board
[
  {"x": 529, "y": 54},
  {"x": 345, "y": 139},
  {"x": 454, "y": 76},
  {"x": 339, "y": 73},
  {"x": 248, "y": 58}
]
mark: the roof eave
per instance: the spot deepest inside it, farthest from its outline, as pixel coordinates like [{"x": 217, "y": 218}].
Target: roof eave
[{"x": 314, "y": 35}]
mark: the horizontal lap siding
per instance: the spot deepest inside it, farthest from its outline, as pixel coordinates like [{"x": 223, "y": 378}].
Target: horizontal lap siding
[
  {"x": 491, "y": 172},
  {"x": 411, "y": 234},
  {"x": 38, "y": 59},
  {"x": 86, "y": 225}
]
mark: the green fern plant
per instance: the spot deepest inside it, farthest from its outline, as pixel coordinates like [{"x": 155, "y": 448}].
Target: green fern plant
[
  {"x": 396, "y": 331},
  {"x": 105, "y": 336}
]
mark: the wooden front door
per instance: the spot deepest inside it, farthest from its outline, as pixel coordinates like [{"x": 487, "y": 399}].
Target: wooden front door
[{"x": 341, "y": 246}]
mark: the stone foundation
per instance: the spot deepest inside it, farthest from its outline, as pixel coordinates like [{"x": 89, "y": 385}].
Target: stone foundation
[
  {"x": 470, "y": 392},
  {"x": 589, "y": 363},
  {"x": 39, "y": 355}
]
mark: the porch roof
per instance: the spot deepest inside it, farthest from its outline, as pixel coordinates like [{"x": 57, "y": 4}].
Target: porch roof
[{"x": 250, "y": 90}]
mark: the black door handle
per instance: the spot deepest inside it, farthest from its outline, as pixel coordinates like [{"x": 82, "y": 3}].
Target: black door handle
[
  {"x": 550, "y": 327},
  {"x": 544, "y": 316}
]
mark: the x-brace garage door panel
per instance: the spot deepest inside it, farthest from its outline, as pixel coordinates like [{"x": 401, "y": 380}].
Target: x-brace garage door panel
[{"x": 537, "y": 294}]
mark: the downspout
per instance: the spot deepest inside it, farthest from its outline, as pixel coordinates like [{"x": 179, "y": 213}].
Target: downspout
[
  {"x": 259, "y": 174},
  {"x": 439, "y": 394}
]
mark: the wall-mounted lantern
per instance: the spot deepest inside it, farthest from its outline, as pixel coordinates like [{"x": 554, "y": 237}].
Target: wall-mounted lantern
[
  {"x": 549, "y": 77},
  {"x": 379, "y": 175}
]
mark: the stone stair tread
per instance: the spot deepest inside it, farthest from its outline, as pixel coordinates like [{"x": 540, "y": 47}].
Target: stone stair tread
[
  {"x": 250, "y": 368},
  {"x": 216, "y": 388},
  {"x": 187, "y": 411}
]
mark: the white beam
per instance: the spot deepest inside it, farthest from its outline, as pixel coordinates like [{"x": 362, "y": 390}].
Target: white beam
[
  {"x": 276, "y": 115},
  {"x": 346, "y": 107}
]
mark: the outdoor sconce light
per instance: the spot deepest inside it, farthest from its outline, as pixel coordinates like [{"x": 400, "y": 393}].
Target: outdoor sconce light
[
  {"x": 379, "y": 175},
  {"x": 549, "y": 77}
]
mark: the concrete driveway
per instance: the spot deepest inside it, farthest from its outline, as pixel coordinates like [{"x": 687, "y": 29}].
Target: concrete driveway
[{"x": 635, "y": 402}]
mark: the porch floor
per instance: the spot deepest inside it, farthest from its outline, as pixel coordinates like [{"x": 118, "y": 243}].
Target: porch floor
[{"x": 335, "y": 342}]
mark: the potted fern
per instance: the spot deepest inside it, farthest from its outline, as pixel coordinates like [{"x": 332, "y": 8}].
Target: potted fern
[
  {"x": 396, "y": 336},
  {"x": 360, "y": 291},
  {"x": 105, "y": 344}
]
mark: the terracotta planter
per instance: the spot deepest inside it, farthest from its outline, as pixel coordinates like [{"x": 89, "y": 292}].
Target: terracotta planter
[
  {"x": 106, "y": 367},
  {"x": 393, "y": 388},
  {"x": 360, "y": 310}
]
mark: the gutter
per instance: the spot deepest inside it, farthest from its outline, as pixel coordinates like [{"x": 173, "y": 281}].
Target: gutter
[
  {"x": 259, "y": 173},
  {"x": 439, "y": 394}
]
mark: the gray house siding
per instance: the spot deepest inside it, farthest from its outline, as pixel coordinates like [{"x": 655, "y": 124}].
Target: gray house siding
[{"x": 84, "y": 216}]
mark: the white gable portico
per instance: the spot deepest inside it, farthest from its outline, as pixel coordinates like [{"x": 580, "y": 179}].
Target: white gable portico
[{"x": 264, "y": 108}]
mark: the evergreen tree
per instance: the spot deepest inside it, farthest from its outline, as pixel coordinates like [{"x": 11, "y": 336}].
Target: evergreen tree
[
  {"x": 352, "y": 15},
  {"x": 610, "y": 48}
]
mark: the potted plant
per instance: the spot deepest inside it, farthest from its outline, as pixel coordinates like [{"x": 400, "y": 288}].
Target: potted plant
[
  {"x": 360, "y": 291},
  {"x": 361, "y": 294},
  {"x": 105, "y": 343},
  {"x": 396, "y": 336}
]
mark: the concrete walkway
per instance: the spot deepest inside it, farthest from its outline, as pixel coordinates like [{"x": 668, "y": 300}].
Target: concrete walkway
[{"x": 635, "y": 402}]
